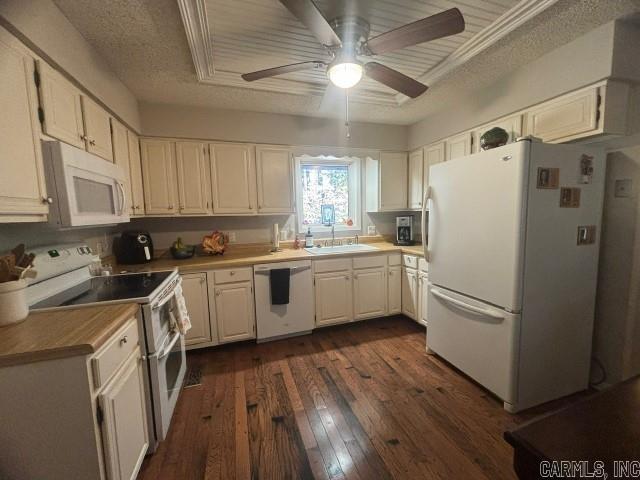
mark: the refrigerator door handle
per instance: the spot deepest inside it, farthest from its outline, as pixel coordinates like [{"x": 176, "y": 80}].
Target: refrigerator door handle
[
  {"x": 423, "y": 225},
  {"x": 465, "y": 306}
]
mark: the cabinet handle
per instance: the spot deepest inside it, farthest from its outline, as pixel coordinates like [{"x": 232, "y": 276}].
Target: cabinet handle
[
  {"x": 83, "y": 137},
  {"x": 346, "y": 277},
  {"x": 170, "y": 207},
  {"x": 48, "y": 200},
  {"x": 124, "y": 340},
  {"x": 92, "y": 142},
  {"x": 390, "y": 274},
  {"x": 232, "y": 273},
  {"x": 218, "y": 293}
]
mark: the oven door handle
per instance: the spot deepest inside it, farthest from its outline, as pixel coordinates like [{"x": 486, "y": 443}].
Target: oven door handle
[
  {"x": 167, "y": 350},
  {"x": 168, "y": 298}
]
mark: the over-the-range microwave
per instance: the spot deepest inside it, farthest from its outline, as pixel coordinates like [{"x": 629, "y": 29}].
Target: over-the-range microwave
[{"x": 83, "y": 189}]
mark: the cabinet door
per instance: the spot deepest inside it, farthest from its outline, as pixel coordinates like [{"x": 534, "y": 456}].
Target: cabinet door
[
  {"x": 334, "y": 298},
  {"x": 22, "y": 186},
  {"x": 97, "y": 128},
  {"x": 194, "y": 289},
  {"x": 120, "y": 142},
  {"x": 393, "y": 181},
  {"x": 415, "y": 178},
  {"x": 234, "y": 312},
  {"x": 274, "y": 168},
  {"x": 394, "y": 287},
  {"x": 410, "y": 292},
  {"x": 433, "y": 154},
  {"x": 370, "y": 292},
  {"x": 458, "y": 146},
  {"x": 193, "y": 178},
  {"x": 423, "y": 282},
  {"x": 512, "y": 125},
  {"x": 567, "y": 116},
  {"x": 61, "y": 106},
  {"x": 135, "y": 174},
  {"x": 158, "y": 174},
  {"x": 124, "y": 427},
  {"x": 233, "y": 178}
]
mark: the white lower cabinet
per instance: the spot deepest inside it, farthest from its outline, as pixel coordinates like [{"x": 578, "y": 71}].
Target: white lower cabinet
[
  {"x": 334, "y": 294},
  {"x": 194, "y": 289},
  {"x": 394, "y": 289},
  {"x": 124, "y": 427},
  {"x": 423, "y": 290},
  {"x": 410, "y": 292},
  {"x": 370, "y": 293},
  {"x": 234, "y": 305}
]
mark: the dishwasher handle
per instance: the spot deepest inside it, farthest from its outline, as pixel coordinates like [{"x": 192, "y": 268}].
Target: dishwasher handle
[{"x": 265, "y": 271}]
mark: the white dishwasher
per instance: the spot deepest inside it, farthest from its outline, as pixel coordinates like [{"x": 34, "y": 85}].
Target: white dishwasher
[{"x": 294, "y": 318}]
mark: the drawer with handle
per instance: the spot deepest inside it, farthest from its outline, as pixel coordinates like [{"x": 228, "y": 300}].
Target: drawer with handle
[
  {"x": 233, "y": 275},
  {"x": 115, "y": 352}
]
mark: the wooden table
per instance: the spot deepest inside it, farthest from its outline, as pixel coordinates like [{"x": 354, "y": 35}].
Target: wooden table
[{"x": 602, "y": 428}]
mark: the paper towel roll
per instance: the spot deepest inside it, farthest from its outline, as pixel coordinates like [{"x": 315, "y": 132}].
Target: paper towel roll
[{"x": 275, "y": 236}]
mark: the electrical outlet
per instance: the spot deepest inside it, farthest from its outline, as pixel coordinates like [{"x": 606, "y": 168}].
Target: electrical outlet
[{"x": 232, "y": 237}]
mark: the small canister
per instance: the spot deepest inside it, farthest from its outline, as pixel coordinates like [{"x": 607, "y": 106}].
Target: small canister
[{"x": 13, "y": 302}]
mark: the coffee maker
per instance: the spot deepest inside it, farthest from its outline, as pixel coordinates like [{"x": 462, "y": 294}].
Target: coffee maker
[{"x": 404, "y": 230}]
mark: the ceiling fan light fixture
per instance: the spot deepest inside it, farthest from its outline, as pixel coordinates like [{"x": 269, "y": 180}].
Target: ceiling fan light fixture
[{"x": 345, "y": 74}]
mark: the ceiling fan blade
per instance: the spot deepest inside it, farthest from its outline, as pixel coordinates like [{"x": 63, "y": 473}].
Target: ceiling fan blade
[
  {"x": 272, "y": 72},
  {"x": 439, "y": 25},
  {"x": 394, "y": 79},
  {"x": 307, "y": 12}
]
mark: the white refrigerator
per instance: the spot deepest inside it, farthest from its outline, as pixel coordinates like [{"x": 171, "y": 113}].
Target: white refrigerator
[{"x": 513, "y": 257}]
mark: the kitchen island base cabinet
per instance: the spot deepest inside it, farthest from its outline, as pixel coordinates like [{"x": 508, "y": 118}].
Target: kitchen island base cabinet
[
  {"x": 194, "y": 290},
  {"x": 334, "y": 298},
  {"x": 82, "y": 416},
  {"x": 124, "y": 421}
]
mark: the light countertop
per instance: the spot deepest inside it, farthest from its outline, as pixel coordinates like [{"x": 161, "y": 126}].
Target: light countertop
[
  {"x": 244, "y": 256},
  {"x": 62, "y": 333}
]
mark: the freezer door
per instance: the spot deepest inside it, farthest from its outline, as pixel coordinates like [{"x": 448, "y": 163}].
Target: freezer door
[
  {"x": 476, "y": 224},
  {"x": 477, "y": 338}
]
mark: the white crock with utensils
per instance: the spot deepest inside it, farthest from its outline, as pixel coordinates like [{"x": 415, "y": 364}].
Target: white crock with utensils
[{"x": 13, "y": 302}]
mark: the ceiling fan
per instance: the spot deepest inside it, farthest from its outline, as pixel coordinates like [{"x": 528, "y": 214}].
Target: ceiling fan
[{"x": 345, "y": 38}]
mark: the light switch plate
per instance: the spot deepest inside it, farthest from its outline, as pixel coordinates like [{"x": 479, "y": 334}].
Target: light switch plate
[
  {"x": 623, "y": 188},
  {"x": 586, "y": 235}
]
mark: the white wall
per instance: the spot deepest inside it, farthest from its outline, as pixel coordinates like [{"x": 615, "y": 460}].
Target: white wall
[
  {"x": 581, "y": 62},
  {"x": 45, "y": 26},
  {"x": 234, "y": 125}
]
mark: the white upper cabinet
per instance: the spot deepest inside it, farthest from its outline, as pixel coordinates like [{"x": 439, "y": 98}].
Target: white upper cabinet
[
  {"x": 274, "y": 168},
  {"x": 233, "y": 178},
  {"x": 433, "y": 154},
  {"x": 393, "y": 181},
  {"x": 120, "y": 142},
  {"x": 564, "y": 117},
  {"x": 458, "y": 146},
  {"x": 135, "y": 175},
  {"x": 158, "y": 173},
  {"x": 416, "y": 166},
  {"x": 193, "y": 178},
  {"x": 22, "y": 186},
  {"x": 512, "y": 125},
  {"x": 97, "y": 128},
  {"x": 62, "y": 107}
]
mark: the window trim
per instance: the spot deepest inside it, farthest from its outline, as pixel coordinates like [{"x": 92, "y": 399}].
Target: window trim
[{"x": 355, "y": 190}]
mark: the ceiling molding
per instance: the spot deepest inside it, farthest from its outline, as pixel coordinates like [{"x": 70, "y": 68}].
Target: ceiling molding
[
  {"x": 506, "y": 23},
  {"x": 196, "y": 26}
]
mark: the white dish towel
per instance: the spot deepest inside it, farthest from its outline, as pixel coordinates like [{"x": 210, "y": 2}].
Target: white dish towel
[{"x": 182, "y": 319}]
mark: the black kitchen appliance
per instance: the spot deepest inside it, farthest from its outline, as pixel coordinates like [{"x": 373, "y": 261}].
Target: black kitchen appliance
[
  {"x": 404, "y": 231},
  {"x": 134, "y": 247}
]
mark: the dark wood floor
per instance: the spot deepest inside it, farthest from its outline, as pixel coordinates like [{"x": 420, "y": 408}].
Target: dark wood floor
[{"x": 362, "y": 401}]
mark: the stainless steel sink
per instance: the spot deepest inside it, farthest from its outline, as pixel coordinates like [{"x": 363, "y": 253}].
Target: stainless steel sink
[{"x": 341, "y": 249}]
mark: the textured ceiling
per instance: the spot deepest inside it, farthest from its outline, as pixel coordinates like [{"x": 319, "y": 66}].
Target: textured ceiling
[{"x": 145, "y": 44}]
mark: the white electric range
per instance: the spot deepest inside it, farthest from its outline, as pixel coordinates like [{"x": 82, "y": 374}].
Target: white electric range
[{"x": 64, "y": 281}]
